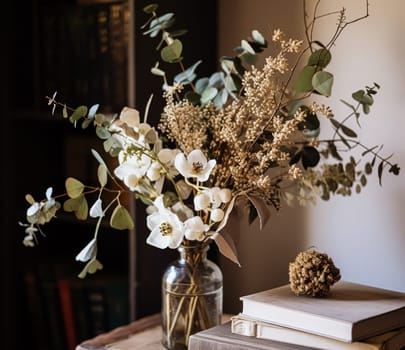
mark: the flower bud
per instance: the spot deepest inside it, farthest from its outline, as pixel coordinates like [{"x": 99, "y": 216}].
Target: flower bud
[
  {"x": 201, "y": 201},
  {"x": 217, "y": 215}
]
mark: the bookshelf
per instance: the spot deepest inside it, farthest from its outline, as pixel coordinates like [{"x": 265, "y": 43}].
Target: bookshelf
[{"x": 66, "y": 45}]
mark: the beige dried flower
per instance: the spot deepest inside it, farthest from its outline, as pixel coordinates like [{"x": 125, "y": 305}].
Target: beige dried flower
[{"x": 312, "y": 274}]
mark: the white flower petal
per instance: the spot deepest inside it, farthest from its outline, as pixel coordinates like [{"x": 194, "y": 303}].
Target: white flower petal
[
  {"x": 197, "y": 156},
  {"x": 156, "y": 239}
]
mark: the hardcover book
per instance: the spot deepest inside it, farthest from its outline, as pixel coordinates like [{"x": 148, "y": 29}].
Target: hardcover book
[
  {"x": 351, "y": 311},
  {"x": 393, "y": 340},
  {"x": 221, "y": 338}
]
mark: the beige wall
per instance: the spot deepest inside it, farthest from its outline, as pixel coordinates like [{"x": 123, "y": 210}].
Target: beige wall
[{"x": 364, "y": 234}]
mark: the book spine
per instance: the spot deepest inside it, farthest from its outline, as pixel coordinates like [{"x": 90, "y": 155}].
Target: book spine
[
  {"x": 67, "y": 312},
  {"x": 255, "y": 328}
]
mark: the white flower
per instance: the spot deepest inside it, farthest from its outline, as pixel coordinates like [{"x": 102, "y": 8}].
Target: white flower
[
  {"x": 167, "y": 157},
  {"x": 195, "y": 165},
  {"x": 154, "y": 172},
  {"x": 195, "y": 228},
  {"x": 132, "y": 169},
  {"x": 166, "y": 228}
]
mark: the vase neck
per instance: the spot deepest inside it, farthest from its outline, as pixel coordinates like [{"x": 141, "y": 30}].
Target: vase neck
[{"x": 193, "y": 253}]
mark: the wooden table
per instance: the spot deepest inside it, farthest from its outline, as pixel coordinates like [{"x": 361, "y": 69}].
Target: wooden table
[
  {"x": 141, "y": 334},
  {"x": 145, "y": 334}
]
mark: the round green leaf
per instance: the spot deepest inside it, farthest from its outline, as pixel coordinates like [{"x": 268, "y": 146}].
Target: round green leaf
[
  {"x": 320, "y": 58},
  {"x": 150, "y": 8},
  {"x": 120, "y": 219},
  {"x": 74, "y": 188},
  {"x": 83, "y": 210},
  {"x": 172, "y": 52},
  {"x": 79, "y": 112},
  {"x": 102, "y": 132},
  {"x": 304, "y": 79},
  {"x": 91, "y": 267},
  {"x": 322, "y": 82}
]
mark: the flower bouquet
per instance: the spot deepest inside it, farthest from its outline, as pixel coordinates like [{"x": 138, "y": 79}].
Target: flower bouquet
[{"x": 245, "y": 137}]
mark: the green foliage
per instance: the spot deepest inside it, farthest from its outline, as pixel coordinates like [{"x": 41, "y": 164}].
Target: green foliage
[
  {"x": 74, "y": 188},
  {"x": 91, "y": 267},
  {"x": 121, "y": 219}
]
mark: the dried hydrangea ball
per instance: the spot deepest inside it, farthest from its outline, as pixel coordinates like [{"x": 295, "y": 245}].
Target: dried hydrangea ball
[{"x": 312, "y": 274}]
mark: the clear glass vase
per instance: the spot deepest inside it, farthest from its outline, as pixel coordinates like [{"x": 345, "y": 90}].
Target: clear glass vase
[{"x": 191, "y": 295}]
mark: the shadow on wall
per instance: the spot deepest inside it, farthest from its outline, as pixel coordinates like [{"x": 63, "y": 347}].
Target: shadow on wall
[{"x": 264, "y": 255}]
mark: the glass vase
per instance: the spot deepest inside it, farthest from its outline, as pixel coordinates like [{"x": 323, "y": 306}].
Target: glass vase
[{"x": 191, "y": 295}]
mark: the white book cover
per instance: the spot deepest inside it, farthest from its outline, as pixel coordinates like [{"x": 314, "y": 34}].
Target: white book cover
[
  {"x": 393, "y": 340},
  {"x": 349, "y": 313}
]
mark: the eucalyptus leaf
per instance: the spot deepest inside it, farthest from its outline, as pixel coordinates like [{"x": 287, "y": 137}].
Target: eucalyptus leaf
[
  {"x": 121, "y": 219},
  {"x": 72, "y": 204},
  {"x": 82, "y": 211},
  {"x": 258, "y": 37},
  {"x": 201, "y": 84},
  {"x": 320, "y": 58},
  {"x": 102, "y": 132},
  {"x": 98, "y": 158},
  {"x": 109, "y": 144},
  {"x": 208, "y": 94},
  {"x": 322, "y": 82},
  {"x": 347, "y": 131},
  {"x": 30, "y": 199},
  {"x": 304, "y": 79},
  {"x": 246, "y": 46},
  {"x": 79, "y": 112},
  {"x": 188, "y": 75},
  {"x": 86, "y": 122},
  {"x": 91, "y": 267},
  {"x": 150, "y": 8},
  {"x": 157, "y": 71},
  {"x": 88, "y": 252},
  {"x": 74, "y": 187},
  {"x": 92, "y": 111},
  {"x": 102, "y": 175},
  {"x": 217, "y": 79},
  {"x": 172, "y": 52}
]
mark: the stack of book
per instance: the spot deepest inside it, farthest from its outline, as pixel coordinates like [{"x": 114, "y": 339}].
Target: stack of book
[{"x": 352, "y": 317}]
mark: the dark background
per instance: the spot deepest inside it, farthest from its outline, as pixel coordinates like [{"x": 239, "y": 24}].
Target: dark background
[{"x": 38, "y": 150}]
